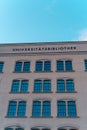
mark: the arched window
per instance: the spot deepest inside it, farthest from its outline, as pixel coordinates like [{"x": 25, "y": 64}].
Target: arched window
[
  {"x": 14, "y": 128},
  {"x": 67, "y": 128},
  {"x": 40, "y": 128}
]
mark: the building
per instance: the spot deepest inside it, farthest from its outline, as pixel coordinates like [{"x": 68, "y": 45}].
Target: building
[{"x": 43, "y": 86}]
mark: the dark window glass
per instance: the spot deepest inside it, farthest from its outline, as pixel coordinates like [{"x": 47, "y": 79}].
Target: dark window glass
[
  {"x": 60, "y": 85},
  {"x": 47, "y": 66},
  {"x": 21, "y": 109},
  {"x": 85, "y": 64},
  {"x": 69, "y": 85},
  {"x": 15, "y": 86},
  {"x": 47, "y": 86},
  {"x": 68, "y": 65},
  {"x": 38, "y": 86},
  {"x": 60, "y": 66},
  {"x": 24, "y": 86},
  {"x": 46, "y": 109},
  {"x": 26, "y": 67},
  {"x": 61, "y": 109},
  {"x": 36, "y": 108},
  {"x": 39, "y": 66},
  {"x": 72, "y": 109},
  {"x": 1, "y": 66},
  {"x": 8, "y": 128},
  {"x": 18, "y": 67}
]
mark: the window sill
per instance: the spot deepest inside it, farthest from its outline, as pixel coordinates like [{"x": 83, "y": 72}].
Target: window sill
[
  {"x": 68, "y": 117},
  {"x": 16, "y": 117},
  {"x": 43, "y": 71},
  {"x": 42, "y": 92},
  {"x": 18, "y": 92},
  {"x": 41, "y": 117},
  {"x": 22, "y": 72},
  {"x": 65, "y": 71},
  {"x": 67, "y": 92}
]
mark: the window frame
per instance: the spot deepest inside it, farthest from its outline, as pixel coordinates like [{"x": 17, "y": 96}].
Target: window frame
[
  {"x": 19, "y": 86},
  {"x": 64, "y": 65},
  {"x": 65, "y": 85},
  {"x": 67, "y": 109},
  {"x": 16, "y": 109},
  {"x": 42, "y": 86},
  {"x": 43, "y": 66},
  {"x": 1, "y": 69},
  {"x": 41, "y": 108},
  {"x": 22, "y": 67}
]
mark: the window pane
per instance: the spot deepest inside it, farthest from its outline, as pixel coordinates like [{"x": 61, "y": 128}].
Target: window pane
[
  {"x": 19, "y": 129},
  {"x": 8, "y": 128},
  {"x": 1, "y": 66},
  {"x": 47, "y": 86},
  {"x": 69, "y": 85},
  {"x": 85, "y": 64},
  {"x": 15, "y": 86},
  {"x": 61, "y": 108},
  {"x": 68, "y": 65},
  {"x": 18, "y": 67},
  {"x": 38, "y": 86},
  {"x": 21, "y": 108},
  {"x": 36, "y": 108},
  {"x": 60, "y": 66},
  {"x": 12, "y": 108},
  {"x": 46, "y": 108},
  {"x": 26, "y": 67},
  {"x": 71, "y": 109},
  {"x": 60, "y": 85},
  {"x": 35, "y": 129},
  {"x": 47, "y": 66},
  {"x": 39, "y": 65},
  {"x": 24, "y": 86}
]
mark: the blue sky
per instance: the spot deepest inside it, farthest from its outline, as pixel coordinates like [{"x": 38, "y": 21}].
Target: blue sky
[{"x": 42, "y": 20}]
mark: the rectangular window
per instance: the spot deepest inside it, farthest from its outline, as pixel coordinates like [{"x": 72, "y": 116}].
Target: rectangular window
[
  {"x": 68, "y": 65},
  {"x": 38, "y": 86},
  {"x": 41, "y": 108},
  {"x": 12, "y": 109},
  {"x": 46, "y": 109},
  {"x": 26, "y": 67},
  {"x": 16, "y": 109},
  {"x": 19, "y": 86},
  {"x": 36, "y": 109},
  {"x": 18, "y": 67},
  {"x": 61, "y": 109},
  {"x": 47, "y": 66},
  {"x": 69, "y": 85},
  {"x": 46, "y": 86},
  {"x": 72, "y": 109},
  {"x": 39, "y": 66},
  {"x": 60, "y": 66},
  {"x": 21, "y": 109},
  {"x": 85, "y": 64},
  {"x": 1, "y": 66},
  {"x": 60, "y": 85}
]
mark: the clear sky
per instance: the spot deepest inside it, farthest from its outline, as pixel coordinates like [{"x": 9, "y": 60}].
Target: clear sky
[{"x": 42, "y": 20}]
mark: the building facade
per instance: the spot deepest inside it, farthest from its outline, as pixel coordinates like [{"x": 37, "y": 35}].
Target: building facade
[{"x": 43, "y": 86}]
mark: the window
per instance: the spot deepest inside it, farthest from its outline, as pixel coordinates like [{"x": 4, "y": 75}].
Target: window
[
  {"x": 22, "y": 66},
  {"x": 14, "y": 128},
  {"x": 67, "y": 128},
  {"x": 43, "y": 66},
  {"x": 19, "y": 86},
  {"x": 64, "y": 65},
  {"x": 42, "y": 86},
  {"x": 66, "y": 109},
  {"x": 65, "y": 85},
  {"x": 85, "y": 64},
  {"x": 40, "y": 128},
  {"x": 41, "y": 108},
  {"x": 16, "y": 109},
  {"x": 1, "y": 66}
]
